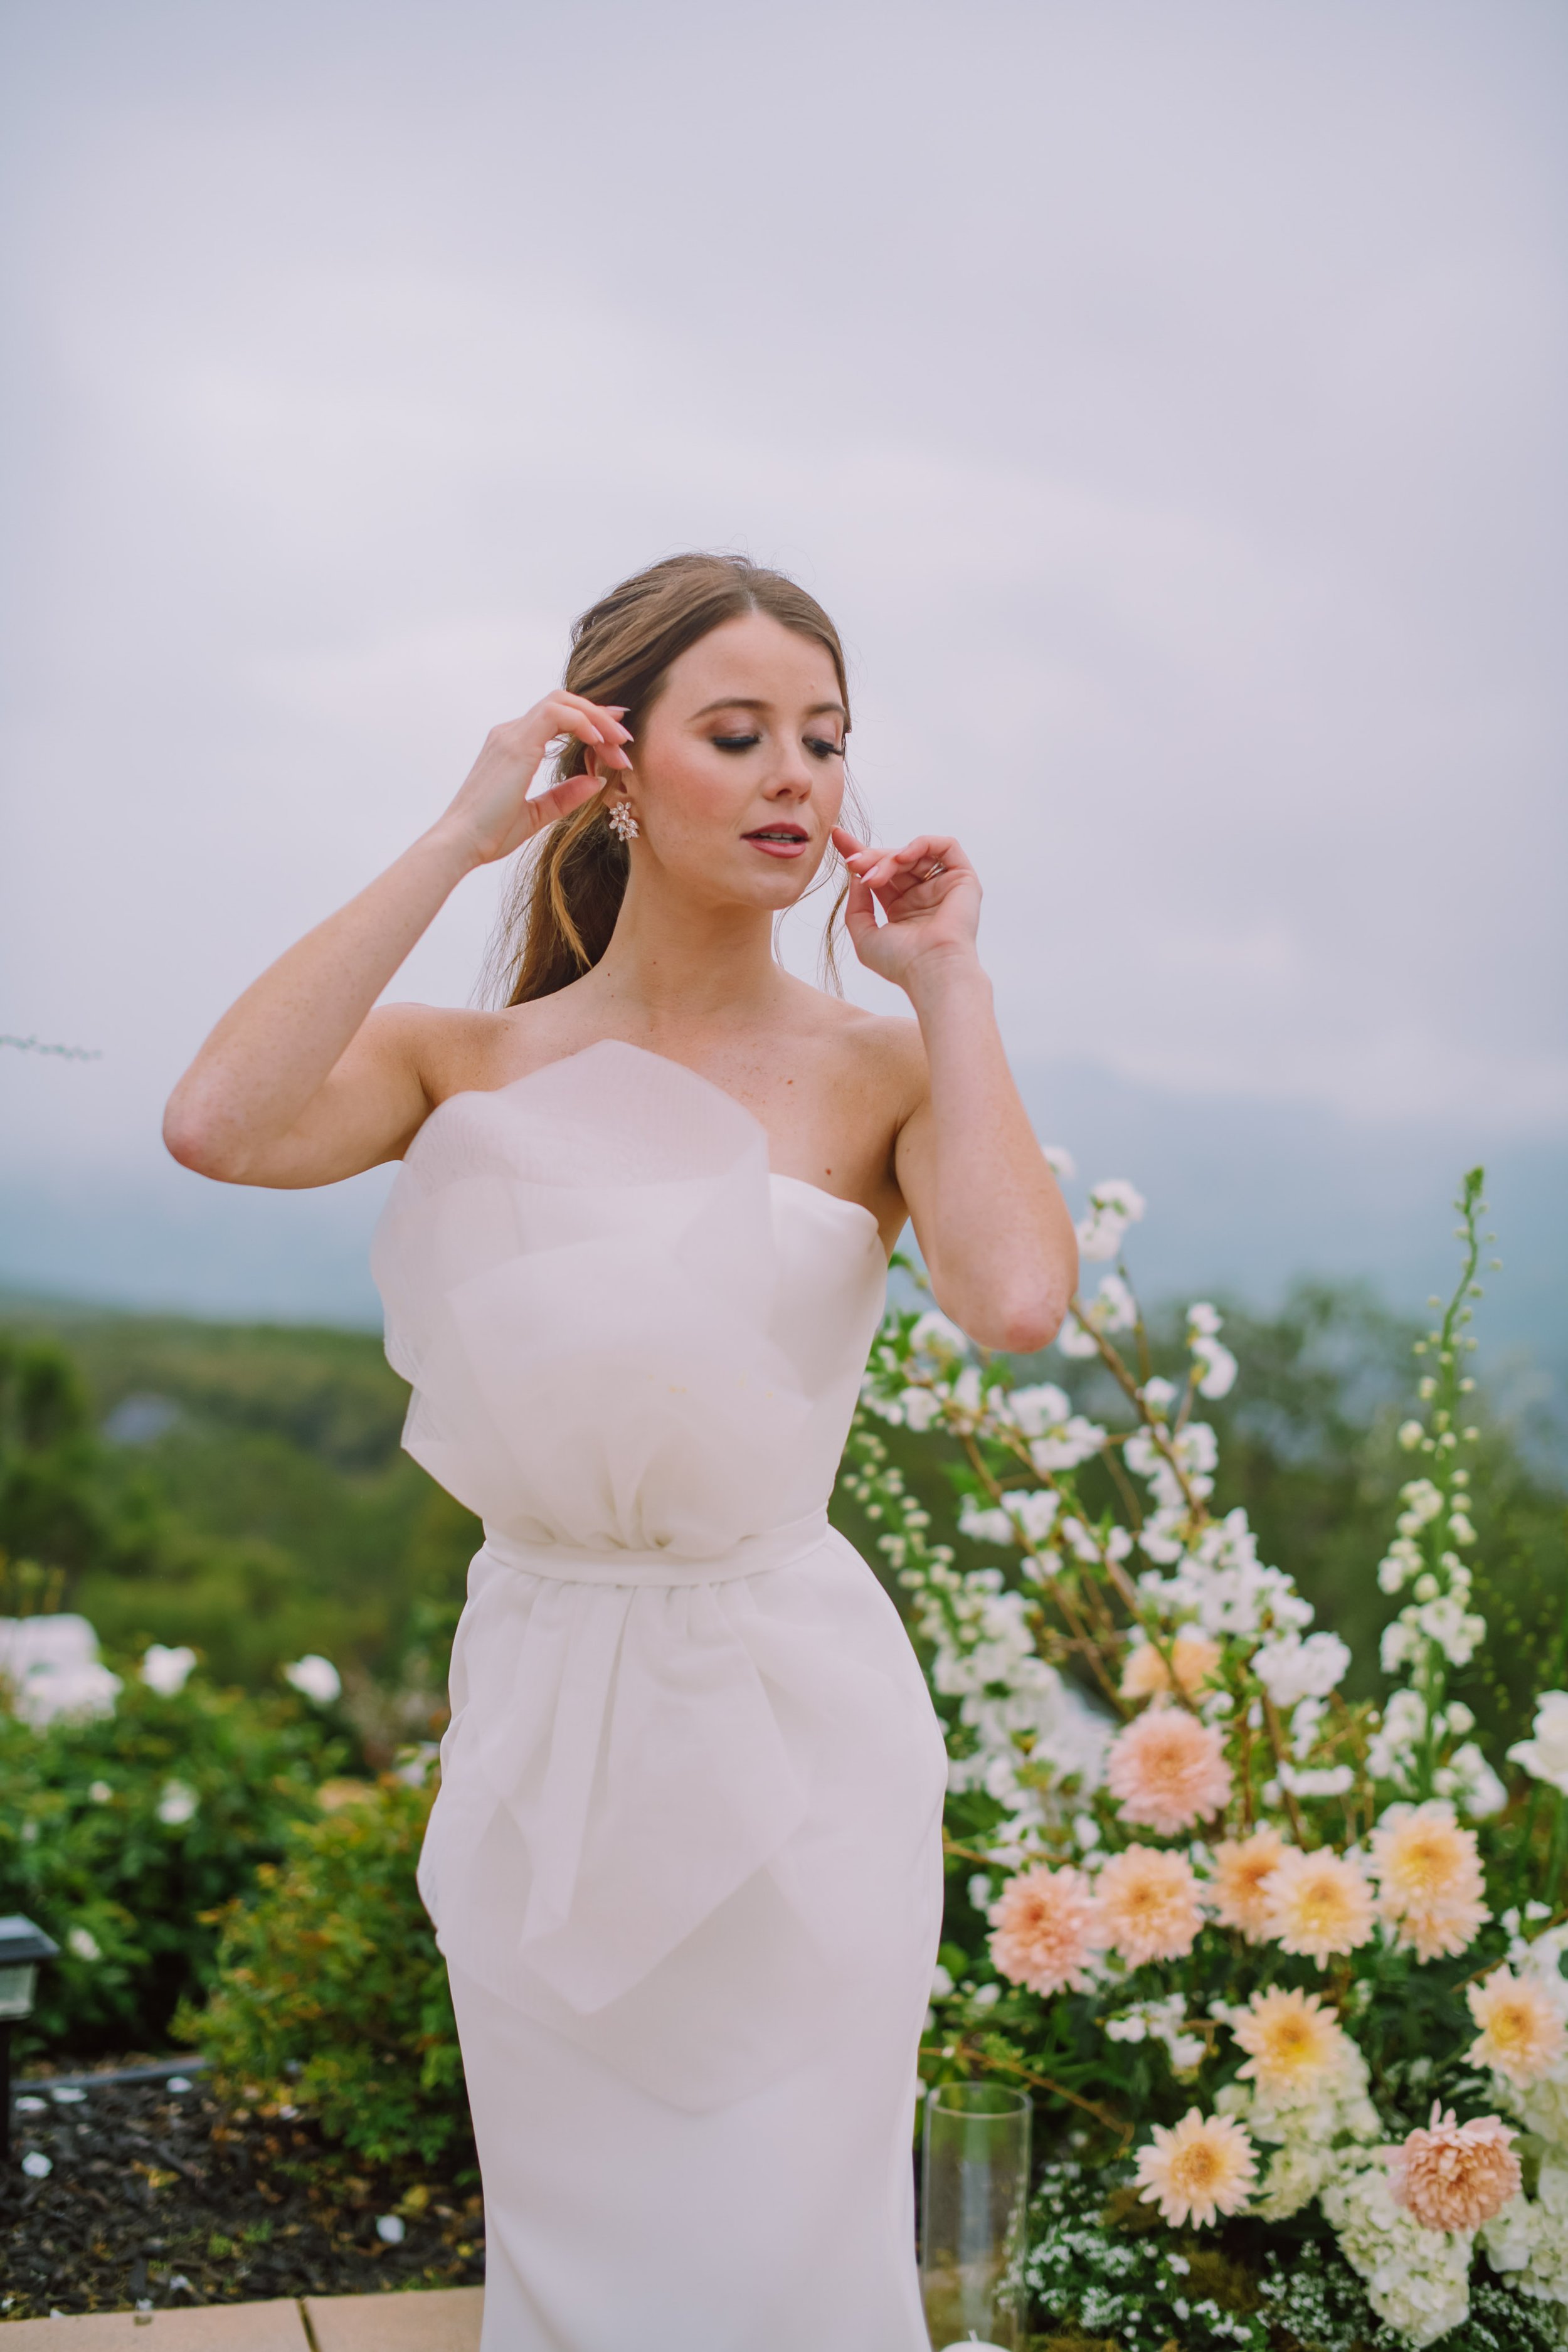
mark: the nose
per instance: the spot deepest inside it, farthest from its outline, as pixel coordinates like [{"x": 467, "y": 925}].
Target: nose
[{"x": 793, "y": 779}]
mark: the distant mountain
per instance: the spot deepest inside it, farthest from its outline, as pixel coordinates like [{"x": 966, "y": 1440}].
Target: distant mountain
[{"x": 1243, "y": 1195}]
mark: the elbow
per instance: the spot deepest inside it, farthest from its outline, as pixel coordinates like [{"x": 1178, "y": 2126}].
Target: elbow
[
  {"x": 1020, "y": 1323},
  {"x": 193, "y": 1141},
  {"x": 1031, "y": 1324}
]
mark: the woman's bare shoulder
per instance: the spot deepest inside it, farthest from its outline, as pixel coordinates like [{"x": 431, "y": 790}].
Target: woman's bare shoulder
[
  {"x": 879, "y": 1052},
  {"x": 456, "y": 1049}
]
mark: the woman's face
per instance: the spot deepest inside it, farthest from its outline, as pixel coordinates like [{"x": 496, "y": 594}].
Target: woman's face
[{"x": 738, "y": 769}]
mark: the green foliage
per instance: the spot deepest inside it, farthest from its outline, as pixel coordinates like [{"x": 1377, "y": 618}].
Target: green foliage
[
  {"x": 332, "y": 1994},
  {"x": 260, "y": 1506},
  {"x": 120, "y": 1835}
]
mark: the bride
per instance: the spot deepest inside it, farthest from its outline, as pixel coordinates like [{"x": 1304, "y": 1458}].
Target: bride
[{"x": 685, "y": 1863}]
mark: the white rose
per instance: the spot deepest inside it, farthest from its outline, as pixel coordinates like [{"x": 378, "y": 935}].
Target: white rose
[
  {"x": 316, "y": 1678},
  {"x": 166, "y": 1671},
  {"x": 1545, "y": 1756}
]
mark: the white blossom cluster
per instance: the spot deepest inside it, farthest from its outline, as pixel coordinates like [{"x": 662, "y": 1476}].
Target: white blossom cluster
[
  {"x": 1165, "y": 2021},
  {"x": 49, "y": 1666},
  {"x": 1420, "y": 1747},
  {"x": 1417, "y": 2280},
  {"x": 1315, "y": 2135},
  {"x": 1014, "y": 1711}
]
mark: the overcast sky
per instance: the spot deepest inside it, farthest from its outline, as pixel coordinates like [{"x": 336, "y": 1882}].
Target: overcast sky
[{"x": 1167, "y": 400}]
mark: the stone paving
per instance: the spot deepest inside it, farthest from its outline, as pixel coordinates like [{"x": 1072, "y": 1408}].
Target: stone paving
[{"x": 442, "y": 2319}]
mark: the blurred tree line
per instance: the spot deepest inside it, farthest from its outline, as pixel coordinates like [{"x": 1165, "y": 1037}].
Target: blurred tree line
[{"x": 241, "y": 1487}]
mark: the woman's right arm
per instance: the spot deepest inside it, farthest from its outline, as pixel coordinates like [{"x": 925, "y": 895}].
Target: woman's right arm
[{"x": 302, "y": 1082}]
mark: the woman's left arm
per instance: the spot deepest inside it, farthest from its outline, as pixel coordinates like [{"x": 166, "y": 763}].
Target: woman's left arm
[{"x": 993, "y": 1228}]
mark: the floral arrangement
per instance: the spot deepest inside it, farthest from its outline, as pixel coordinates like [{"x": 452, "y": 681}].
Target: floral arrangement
[{"x": 1286, "y": 1969}]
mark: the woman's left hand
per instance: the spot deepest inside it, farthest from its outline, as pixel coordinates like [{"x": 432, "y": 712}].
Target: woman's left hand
[{"x": 929, "y": 893}]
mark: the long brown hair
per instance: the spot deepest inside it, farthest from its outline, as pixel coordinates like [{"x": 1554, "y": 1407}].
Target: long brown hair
[{"x": 567, "y": 893}]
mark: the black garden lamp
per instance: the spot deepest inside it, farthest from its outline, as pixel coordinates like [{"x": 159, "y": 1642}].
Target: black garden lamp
[{"x": 22, "y": 1947}]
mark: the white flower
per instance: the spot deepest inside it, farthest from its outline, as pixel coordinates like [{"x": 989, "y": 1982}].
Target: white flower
[
  {"x": 50, "y": 1667},
  {"x": 99, "y": 1791},
  {"x": 1416, "y": 2279},
  {"x": 1325, "y": 1781},
  {"x": 1422, "y": 1501},
  {"x": 1114, "y": 1306},
  {"x": 1114, "y": 1205},
  {"x": 1075, "y": 1339},
  {"x": 84, "y": 1944},
  {"x": 1159, "y": 1395},
  {"x": 37, "y": 2165},
  {"x": 1290, "y": 1668},
  {"x": 1475, "y": 1786},
  {"x": 1204, "y": 1321},
  {"x": 1066, "y": 1447},
  {"x": 1528, "y": 2241},
  {"x": 1060, "y": 1160},
  {"x": 390, "y": 2228},
  {"x": 1401, "y": 1732},
  {"x": 177, "y": 1804},
  {"x": 1033, "y": 1514},
  {"x": 1034, "y": 1411},
  {"x": 1457, "y": 1634},
  {"x": 1219, "y": 1368},
  {"x": 314, "y": 1677},
  {"x": 1397, "y": 1645},
  {"x": 1545, "y": 1756},
  {"x": 1411, "y": 1432},
  {"x": 166, "y": 1671},
  {"x": 983, "y": 1524},
  {"x": 933, "y": 1335},
  {"x": 940, "y": 1983},
  {"x": 919, "y": 1408}
]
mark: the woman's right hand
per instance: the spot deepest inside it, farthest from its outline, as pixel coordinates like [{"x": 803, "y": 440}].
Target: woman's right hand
[{"x": 493, "y": 813}]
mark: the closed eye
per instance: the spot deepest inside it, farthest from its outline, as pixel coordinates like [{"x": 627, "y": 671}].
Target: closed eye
[
  {"x": 821, "y": 747},
  {"x": 733, "y": 742}
]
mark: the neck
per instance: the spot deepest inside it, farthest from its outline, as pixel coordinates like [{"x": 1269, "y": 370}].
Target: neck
[{"x": 674, "y": 957}]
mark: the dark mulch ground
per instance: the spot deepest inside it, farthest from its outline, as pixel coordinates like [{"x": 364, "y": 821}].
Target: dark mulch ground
[{"x": 159, "y": 2196}]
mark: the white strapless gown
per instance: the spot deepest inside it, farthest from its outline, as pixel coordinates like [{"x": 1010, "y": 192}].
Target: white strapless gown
[{"x": 685, "y": 1863}]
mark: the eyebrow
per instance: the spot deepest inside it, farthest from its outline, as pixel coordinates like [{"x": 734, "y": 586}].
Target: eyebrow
[{"x": 756, "y": 702}]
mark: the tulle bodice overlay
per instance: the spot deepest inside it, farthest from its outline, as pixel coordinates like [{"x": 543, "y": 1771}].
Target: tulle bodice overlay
[
  {"x": 634, "y": 1353},
  {"x": 620, "y": 1329}
]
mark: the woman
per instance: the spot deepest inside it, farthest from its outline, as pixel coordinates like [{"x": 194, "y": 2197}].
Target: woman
[{"x": 685, "y": 1864}]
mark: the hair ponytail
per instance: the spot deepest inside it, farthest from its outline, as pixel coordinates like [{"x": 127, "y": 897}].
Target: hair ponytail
[{"x": 561, "y": 909}]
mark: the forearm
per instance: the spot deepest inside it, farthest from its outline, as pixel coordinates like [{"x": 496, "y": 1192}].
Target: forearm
[
  {"x": 274, "y": 1049},
  {"x": 997, "y": 1239}
]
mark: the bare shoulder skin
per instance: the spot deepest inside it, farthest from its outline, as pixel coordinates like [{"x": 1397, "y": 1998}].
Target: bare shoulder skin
[{"x": 736, "y": 783}]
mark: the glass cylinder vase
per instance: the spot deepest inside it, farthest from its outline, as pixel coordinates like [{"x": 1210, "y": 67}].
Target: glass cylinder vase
[{"x": 975, "y": 2195}]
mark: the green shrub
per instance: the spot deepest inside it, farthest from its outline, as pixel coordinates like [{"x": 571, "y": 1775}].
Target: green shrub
[
  {"x": 331, "y": 1995},
  {"x": 122, "y": 1835}
]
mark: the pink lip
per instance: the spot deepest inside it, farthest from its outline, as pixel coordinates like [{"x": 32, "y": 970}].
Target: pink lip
[{"x": 794, "y": 847}]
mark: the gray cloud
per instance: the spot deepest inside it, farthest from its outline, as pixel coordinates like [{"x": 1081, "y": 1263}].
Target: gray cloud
[{"x": 1166, "y": 401}]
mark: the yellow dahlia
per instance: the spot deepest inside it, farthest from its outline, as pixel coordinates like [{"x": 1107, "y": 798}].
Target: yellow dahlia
[
  {"x": 1046, "y": 1925},
  {"x": 1198, "y": 2169},
  {"x": 1150, "y": 1904},
  {"x": 1521, "y": 2034},
  {"x": 1168, "y": 1771},
  {"x": 1455, "y": 2176},
  {"x": 1430, "y": 1887},
  {"x": 1290, "y": 2038},
  {"x": 1317, "y": 1904},
  {"x": 1146, "y": 1675},
  {"x": 1242, "y": 1870}
]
